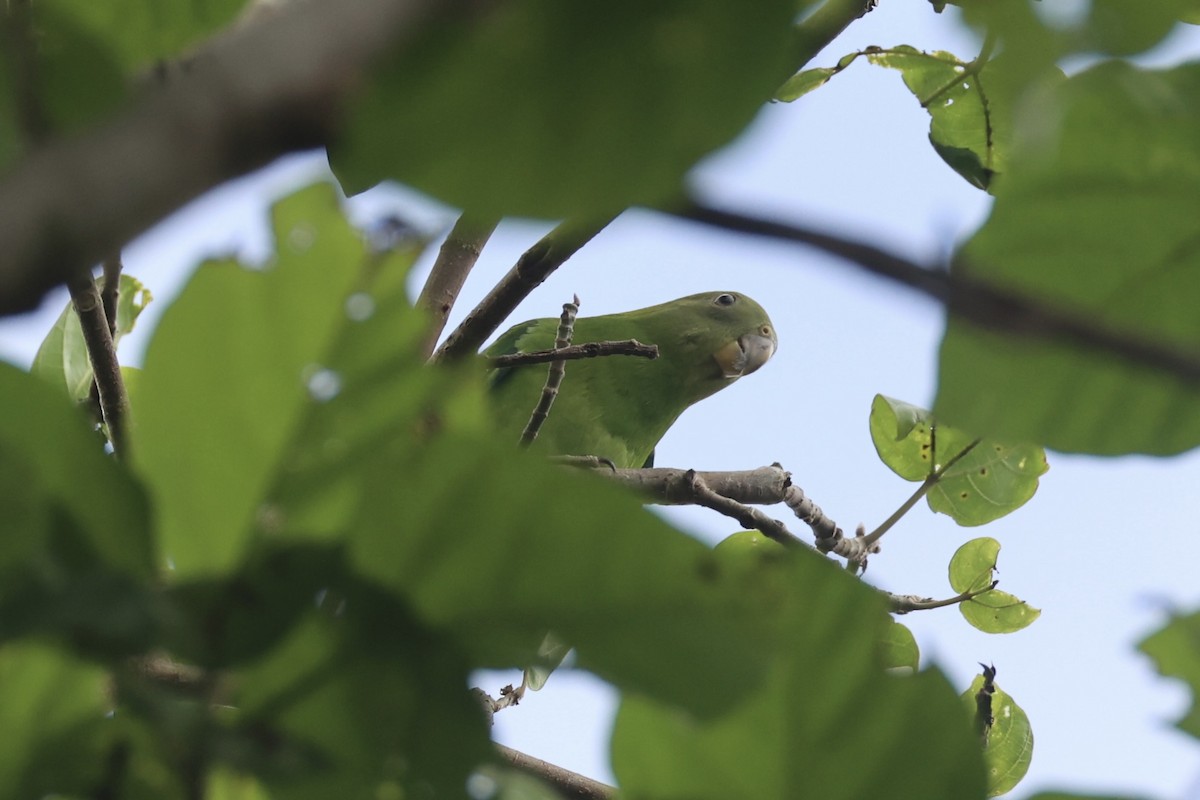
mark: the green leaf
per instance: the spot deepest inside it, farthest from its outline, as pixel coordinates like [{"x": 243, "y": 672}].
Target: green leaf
[
  {"x": 235, "y": 366},
  {"x": 140, "y": 33},
  {"x": 988, "y": 482},
  {"x": 793, "y": 736},
  {"x": 64, "y": 461},
  {"x": 62, "y": 357},
  {"x": 963, "y": 127},
  {"x": 808, "y": 80},
  {"x": 1009, "y": 744},
  {"x": 75, "y": 79},
  {"x": 1096, "y": 219},
  {"x": 360, "y": 700},
  {"x": 900, "y": 651},
  {"x": 552, "y": 109},
  {"x": 1175, "y": 650},
  {"x": 52, "y": 711},
  {"x": 972, "y": 569},
  {"x": 1116, "y": 27}
]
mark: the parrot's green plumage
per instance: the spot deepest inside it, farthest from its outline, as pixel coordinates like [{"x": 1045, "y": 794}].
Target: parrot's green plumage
[{"x": 618, "y": 407}]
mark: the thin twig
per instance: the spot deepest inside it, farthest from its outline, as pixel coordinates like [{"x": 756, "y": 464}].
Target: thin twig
[
  {"x": 533, "y": 267},
  {"x": 111, "y": 293},
  {"x": 624, "y": 347},
  {"x": 570, "y": 785},
  {"x": 904, "y": 603},
  {"x": 455, "y": 260},
  {"x": 114, "y": 403},
  {"x": 554, "y": 375},
  {"x": 975, "y": 301}
]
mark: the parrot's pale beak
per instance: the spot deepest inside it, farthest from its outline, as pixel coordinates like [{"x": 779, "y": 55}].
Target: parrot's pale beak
[{"x": 745, "y": 354}]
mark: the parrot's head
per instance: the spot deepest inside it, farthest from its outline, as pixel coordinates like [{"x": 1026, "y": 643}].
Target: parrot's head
[{"x": 749, "y": 340}]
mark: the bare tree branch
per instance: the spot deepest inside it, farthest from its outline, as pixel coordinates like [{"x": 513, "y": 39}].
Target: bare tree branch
[
  {"x": 534, "y": 266},
  {"x": 250, "y": 96},
  {"x": 971, "y": 299},
  {"x": 571, "y": 785},
  {"x": 554, "y": 375},
  {"x": 575, "y": 352},
  {"x": 455, "y": 260},
  {"x": 114, "y": 402}
]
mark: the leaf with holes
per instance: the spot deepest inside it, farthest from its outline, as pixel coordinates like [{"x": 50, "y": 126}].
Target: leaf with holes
[
  {"x": 972, "y": 569},
  {"x": 1008, "y": 747},
  {"x": 989, "y": 480},
  {"x": 970, "y": 105}
]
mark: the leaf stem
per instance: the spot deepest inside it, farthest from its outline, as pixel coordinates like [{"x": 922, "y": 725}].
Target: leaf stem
[{"x": 922, "y": 490}]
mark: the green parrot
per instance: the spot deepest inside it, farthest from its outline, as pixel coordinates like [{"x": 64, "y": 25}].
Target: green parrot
[{"x": 618, "y": 407}]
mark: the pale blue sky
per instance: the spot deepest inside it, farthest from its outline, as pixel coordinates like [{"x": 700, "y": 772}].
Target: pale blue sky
[{"x": 1104, "y": 549}]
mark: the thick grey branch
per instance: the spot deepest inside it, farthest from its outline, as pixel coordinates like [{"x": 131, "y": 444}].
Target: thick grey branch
[{"x": 247, "y": 98}]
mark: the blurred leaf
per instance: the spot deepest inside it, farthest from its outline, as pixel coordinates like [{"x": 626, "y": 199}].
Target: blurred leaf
[
  {"x": 223, "y": 784},
  {"x": 65, "y": 79},
  {"x": 62, "y": 357},
  {"x": 1175, "y": 650},
  {"x": 1009, "y": 747},
  {"x": 988, "y": 482},
  {"x": 140, "y": 33},
  {"x": 361, "y": 701},
  {"x": 1119, "y": 28},
  {"x": 64, "y": 461},
  {"x": 972, "y": 569},
  {"x": 554, "y": 109},
  {"x": 234, "y": 366},
  {"x": 497, "y": 783},
  {"x": 794, "y": 735},
  {"x": 900, "y": 651},
  {"x": 52, "y": 723},
  {"x": 1097, "y": 218}
]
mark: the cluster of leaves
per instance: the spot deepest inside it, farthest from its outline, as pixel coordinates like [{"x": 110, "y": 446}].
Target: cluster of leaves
[
  {"x": 281, "y": 590},
  {"x": 329, "y": 590}
]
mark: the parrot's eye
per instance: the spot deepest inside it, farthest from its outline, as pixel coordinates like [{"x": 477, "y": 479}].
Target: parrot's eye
[
  {"x": 765, "y": 330},
  {"x": 724, "y": 300}
]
